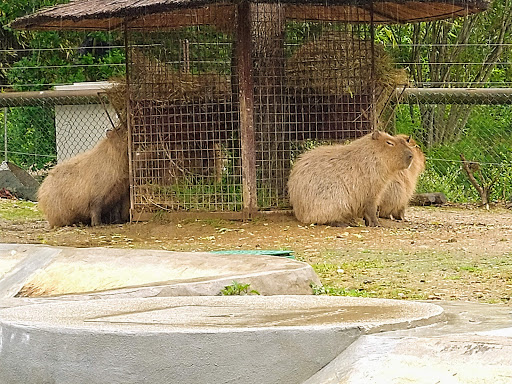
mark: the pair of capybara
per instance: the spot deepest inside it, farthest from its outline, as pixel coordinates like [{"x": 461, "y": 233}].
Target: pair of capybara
[
  {"x": 372, "y": 176},
  {"x": 335, "y": 184}
]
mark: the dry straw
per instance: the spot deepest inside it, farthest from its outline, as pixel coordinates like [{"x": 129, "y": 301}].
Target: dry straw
[{"x": 338, "y": 63}]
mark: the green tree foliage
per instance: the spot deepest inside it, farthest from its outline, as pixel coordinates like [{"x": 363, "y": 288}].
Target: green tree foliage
[
  {"x": 462, "y": 52},
  {"x": 31, "y": 133},
  {"x": 39, "y": 61}
]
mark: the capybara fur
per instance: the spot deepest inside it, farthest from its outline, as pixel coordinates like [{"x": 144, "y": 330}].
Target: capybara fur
[
  {"x": 338, "y": 184},
  {"x": 88, "y": 186},
  {"x": 398, "y": 193},
  {"x": 120, "y": 212}
]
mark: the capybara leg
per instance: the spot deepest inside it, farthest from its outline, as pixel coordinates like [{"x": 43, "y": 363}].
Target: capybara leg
[
  {"x": 95, "y": 216},
  {"x": 124, "y": 210},
  {"x": 115, "y": 214},
  {"x": 370, "y": 215},
  {"x": 337, "y": 224},
  {"x": 399, "y": 215}
]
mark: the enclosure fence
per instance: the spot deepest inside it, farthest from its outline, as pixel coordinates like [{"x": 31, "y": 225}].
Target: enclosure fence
[
  {"x": 186, "y": 145},
  {"x": 41, "y": 129},
  {"x": 467, "y": 136}
]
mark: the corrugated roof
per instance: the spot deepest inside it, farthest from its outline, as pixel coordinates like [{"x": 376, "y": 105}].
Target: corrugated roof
[{"x": 146, "y": 14}]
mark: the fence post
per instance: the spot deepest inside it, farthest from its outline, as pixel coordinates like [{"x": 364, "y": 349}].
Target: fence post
[{"x": 5, "y": 134}]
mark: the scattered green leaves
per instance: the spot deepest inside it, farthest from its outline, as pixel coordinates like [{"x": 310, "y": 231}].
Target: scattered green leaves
[{"x": 238, "y": 289}]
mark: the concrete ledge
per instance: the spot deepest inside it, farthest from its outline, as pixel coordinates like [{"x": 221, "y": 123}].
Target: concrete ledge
[
  {"x": 473, "y": 345},
  {"x": 85, "y": 273},
  {"x": 256, "y": 339}
]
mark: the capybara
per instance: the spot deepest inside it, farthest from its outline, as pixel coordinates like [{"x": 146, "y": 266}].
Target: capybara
[
  {"x": 338, "y": 184},
  {"x": 120, "y": 212},
  {"x": 89, "y": 185},
  {"x": 398, "y": 193}
]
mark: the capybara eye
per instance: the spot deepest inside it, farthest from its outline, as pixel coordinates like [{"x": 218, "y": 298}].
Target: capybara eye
[{"x": 390, "y": 143}]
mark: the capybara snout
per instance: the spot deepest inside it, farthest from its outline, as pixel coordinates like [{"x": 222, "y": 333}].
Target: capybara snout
[
  {"x": 408, "y": 156},
  {"x": 408, "y": 153}
]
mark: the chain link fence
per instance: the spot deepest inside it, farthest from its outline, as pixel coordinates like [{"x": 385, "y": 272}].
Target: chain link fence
[
  {"x": 463, "y": 124},
  {"x": 468, "y": 163},
  {"x": 40, "y": 129}
]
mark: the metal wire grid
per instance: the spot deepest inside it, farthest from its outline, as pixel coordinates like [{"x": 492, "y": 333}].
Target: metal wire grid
[
  {"x": 315, "y": 87},
  {"x": 457, "y": 109},
  {"x": 184, "y": 101},
  {"x": 184, "y": 150}
]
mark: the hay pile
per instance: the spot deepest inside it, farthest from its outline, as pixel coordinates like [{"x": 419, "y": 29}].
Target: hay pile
[
  {"x": 152, "y": 79},
  {"x": 117, "y": 98},
  {"x": 62, "y": 278},
  {"x": 338, "y": 63}
]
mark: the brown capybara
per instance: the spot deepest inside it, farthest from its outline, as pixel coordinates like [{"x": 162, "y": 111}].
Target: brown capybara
[
  {"x": 119, "y": 213},
  {"x": 337, "y": 184},
  {"x": 89, "y": 185},
  {"x": 398, "y": 193}
]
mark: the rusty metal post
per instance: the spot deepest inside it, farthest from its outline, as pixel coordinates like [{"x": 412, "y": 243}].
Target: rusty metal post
[
  {"x": 246, "y": 97},
  {"x": 374, "y": 118},
  {"x": 5, "y": 133},
  {"x": 128, "y": 118}
]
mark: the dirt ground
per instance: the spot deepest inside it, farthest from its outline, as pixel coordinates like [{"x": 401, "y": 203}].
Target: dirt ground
[{"x": 448, "y": 253}]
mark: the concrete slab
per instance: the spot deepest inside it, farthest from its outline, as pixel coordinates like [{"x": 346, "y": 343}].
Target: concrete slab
[
  {"x": 473, "y": 345},
  {"x": 138, "y": 333},
  {"x": 9, "y": 257},
  {"x": 84, "y": 273},
  {"x": 256, "y": 339},
  {"x": 20, "y": 266}
]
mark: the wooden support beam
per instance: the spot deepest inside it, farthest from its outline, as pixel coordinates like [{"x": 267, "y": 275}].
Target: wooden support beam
[{"x": 243, "y": 54}]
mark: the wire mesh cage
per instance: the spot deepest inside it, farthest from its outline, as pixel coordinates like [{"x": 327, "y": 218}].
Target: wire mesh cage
[
  {"x": 222, "y": 97},
  {"x": 310, "y": 78},
  {"x": 185, "y": 154}
]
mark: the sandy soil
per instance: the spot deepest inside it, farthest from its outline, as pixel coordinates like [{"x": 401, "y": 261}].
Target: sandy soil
[{"x": 450, "y": 253}]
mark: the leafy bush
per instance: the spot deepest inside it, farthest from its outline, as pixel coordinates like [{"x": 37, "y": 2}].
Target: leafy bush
[
  {"x": 238, "y": 289},
  {"x": 31, "y": 136},
  {"x": 487, "y": 140}
]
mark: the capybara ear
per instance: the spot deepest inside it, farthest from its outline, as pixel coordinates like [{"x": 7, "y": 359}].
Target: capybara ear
[
  {"x": 408, "y": 139},
  {"x": 376, "y": 135}
]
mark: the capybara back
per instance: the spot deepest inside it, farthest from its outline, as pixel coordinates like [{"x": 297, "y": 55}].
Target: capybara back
[
  {"x": 87, "y": 186},
  {"x": 337, "y": 184}
]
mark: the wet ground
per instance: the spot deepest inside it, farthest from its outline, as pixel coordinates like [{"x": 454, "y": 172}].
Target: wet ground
[{"x": 449, "y": 253}]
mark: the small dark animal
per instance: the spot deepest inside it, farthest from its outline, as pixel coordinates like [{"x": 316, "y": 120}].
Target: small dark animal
[
  {"x": 88, "y": 186},
  {"x": 337, "y": 184}
]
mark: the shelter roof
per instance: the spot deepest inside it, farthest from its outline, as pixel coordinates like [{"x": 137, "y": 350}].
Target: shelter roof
[{"x": 158, "y": 14}]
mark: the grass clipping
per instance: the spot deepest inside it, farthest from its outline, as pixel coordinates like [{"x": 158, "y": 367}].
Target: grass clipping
[{"x": 338, "y": 64}]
